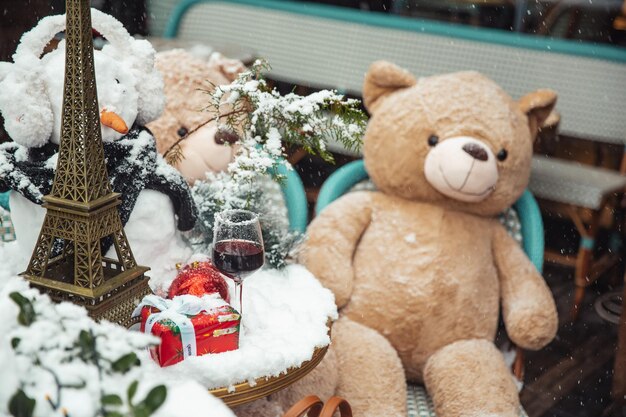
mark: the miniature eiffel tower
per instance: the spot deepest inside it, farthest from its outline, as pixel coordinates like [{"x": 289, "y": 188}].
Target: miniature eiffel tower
[{"x": 81, "y": 208}]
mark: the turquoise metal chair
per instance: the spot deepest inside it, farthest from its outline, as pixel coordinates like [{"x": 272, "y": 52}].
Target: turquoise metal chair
[
  {"x": 300, "y": 41},
  {"x": 341, "y": 181},
  {"x": 295, "y": 198},
  {"x": 4, "y": 200}
]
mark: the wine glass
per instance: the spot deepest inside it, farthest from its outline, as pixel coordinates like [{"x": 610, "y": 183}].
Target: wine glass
[{"x": 237, "y": 246}]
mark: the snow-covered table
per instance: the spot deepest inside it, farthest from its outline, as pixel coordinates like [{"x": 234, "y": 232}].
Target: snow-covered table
[
  {"x": 245, "y": 392},
  {"x": 285, "y": 334}
]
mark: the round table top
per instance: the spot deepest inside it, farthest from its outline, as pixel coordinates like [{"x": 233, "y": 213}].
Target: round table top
[
  {"x": 285, "y": 333},
  {"x": 245, "y": 392}
]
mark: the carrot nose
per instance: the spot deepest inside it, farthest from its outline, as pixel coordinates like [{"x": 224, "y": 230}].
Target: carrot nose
[{"x": 114, "y": 121}]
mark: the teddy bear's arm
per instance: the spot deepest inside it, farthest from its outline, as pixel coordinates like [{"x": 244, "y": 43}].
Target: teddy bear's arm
[
  {"x": 332, "y": 238},
  {"x": 528, "y": 307}
]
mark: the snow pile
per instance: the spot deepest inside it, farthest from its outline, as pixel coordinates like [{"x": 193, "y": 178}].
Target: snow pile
[
  {"x": 285, "y": 315},
  {"x": 58, "y": 361}
]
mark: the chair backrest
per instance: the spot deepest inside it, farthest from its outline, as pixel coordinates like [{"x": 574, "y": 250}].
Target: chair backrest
[
  {"x": 342, "y": 180},
  {"x": 295, "y": 198},
  {"x": 327, "y": 46}
]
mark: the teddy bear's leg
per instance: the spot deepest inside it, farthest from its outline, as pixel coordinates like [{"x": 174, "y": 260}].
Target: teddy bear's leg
[
  {"x": 371, "y": 376},
  {"x": 469, "y": 378}
]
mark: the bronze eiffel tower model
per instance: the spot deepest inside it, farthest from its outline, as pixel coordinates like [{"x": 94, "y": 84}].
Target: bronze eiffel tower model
[{"x": 81, "y": 208}]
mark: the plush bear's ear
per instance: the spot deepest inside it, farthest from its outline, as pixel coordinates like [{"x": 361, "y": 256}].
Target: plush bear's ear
[
  {"x": 229, "y": 68},
  {"x": 383, "y": 78},
  {"x": 537, "y": 106}
]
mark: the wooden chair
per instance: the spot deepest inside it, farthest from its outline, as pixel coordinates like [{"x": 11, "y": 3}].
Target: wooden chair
[
  {"x": 346, "y": 177},
  {"x": 583, "y": 194},
  {"x": 312, "y": 406}
]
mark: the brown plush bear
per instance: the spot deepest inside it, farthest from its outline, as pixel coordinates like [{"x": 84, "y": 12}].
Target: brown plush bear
[
  {"x": 423, "y": 265},
  {"x": 187, "y": 80}
]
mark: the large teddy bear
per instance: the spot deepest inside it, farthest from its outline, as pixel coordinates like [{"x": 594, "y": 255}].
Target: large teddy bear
[
  {"x": 420, "y": 268},
  {"x": 156, "y": 201},
  {"x": 188, "y": 80}
]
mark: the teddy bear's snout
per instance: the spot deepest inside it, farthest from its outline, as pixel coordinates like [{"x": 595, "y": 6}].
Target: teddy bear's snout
[{"x": 463, "y": 168}]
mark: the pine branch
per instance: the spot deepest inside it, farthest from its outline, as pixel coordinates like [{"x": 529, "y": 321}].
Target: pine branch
[{"x": 195, "y": 129}]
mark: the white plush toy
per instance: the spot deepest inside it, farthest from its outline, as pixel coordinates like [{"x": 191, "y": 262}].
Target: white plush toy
[{"x": 130, "y": 94}]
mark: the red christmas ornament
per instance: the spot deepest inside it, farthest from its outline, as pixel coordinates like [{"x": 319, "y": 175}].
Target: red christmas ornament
[{"x": 199, "y": 278}]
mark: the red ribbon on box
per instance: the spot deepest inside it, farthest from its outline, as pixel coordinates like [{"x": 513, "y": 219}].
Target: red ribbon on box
[{"x": 189, "y": 326}]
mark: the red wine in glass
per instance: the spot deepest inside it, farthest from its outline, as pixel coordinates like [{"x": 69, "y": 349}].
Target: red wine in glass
[
  {"x": 237, "y": 246},
  {"x": 238, "y": 258}
]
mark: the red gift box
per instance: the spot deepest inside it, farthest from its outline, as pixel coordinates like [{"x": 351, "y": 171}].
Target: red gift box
[{"x": 189, "y": 331}]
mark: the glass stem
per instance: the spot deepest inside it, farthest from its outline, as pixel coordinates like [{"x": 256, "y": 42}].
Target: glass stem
[{"x": 240, "y": 285}]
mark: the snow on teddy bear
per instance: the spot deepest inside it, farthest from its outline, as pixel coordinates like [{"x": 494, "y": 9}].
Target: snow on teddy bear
[
  {"x": 156, "y": 201},
  {"x": 186, "y": 118},
  {"x": 420, "y": 268}
]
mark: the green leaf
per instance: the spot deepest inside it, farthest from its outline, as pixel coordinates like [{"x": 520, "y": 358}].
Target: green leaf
[
  {"x": 111, "y": 399},
  {"x": 113, "y": 414},
  {"x": 126, "y": 362},
  {"x": 15, "y": 342},
  {"x": 141, "y": 410},
  {"x": 155, "y": 398},
  {"x": 87, "y": 344},
  {"x": 132, "y": 389},
  {"x": 27, "y": 312},
  {"x": 20, "y": 405}
]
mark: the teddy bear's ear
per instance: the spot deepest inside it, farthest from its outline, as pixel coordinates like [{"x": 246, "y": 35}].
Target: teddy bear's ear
[
  {"x": 229, "y": 68},
  {"x": 537, "y": 106},
  {"x": 382, "y": 79}
]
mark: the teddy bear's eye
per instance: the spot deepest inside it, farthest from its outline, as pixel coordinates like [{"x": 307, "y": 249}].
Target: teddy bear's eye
[
  {"x": 182, "y": 131},
  {"x": 502, "y": 155},
  {"x": 433, "y": 140},
  {"x": 117, "y": 81}
]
